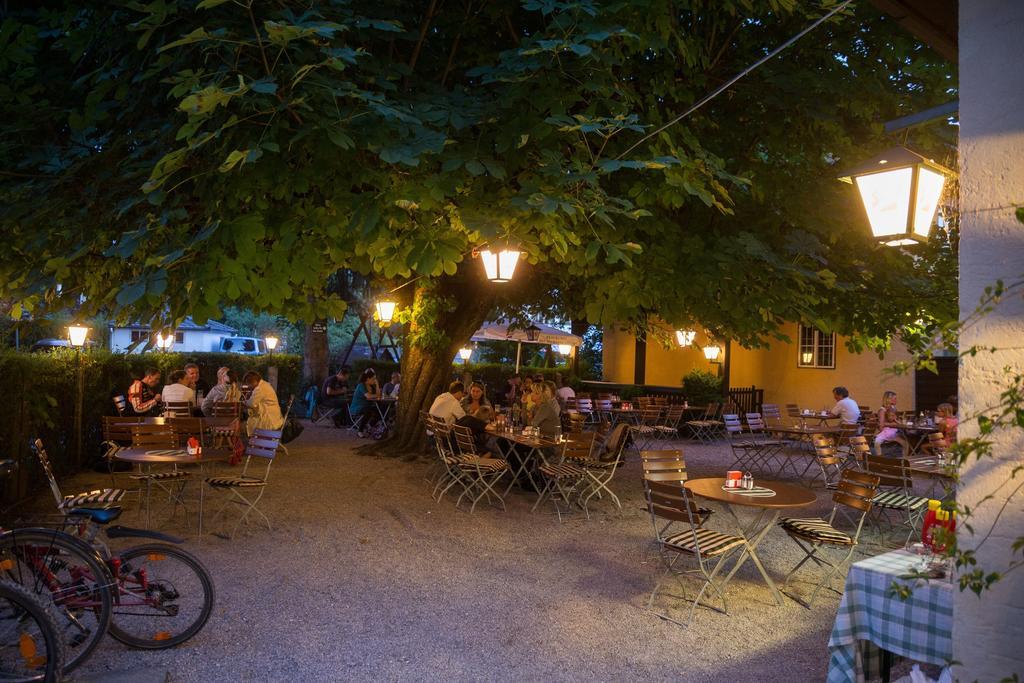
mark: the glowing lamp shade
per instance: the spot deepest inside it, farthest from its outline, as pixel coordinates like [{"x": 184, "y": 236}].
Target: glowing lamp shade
[
  {"x": 271, "y": 342},
  {"x": 685, "y": 337},
  {"x": 900, "y": 191},
  {"x": 712, "y": 352},
  {"x": 499, "y": 266},
  {"x": 465, "y": 352},
  {"x": 77, "y": 335},
  {"x": 564, "y": 349},
  {"x": 385, "y": 311},
  {"x": 807, "y": 358},
  {"x": 165, "y": 340},
  {"x": 533, "y": 333}
]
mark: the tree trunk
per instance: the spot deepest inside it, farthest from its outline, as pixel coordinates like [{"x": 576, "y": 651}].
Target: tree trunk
[
  {"x": 427, "y": 367},
  {"x": 314, "y": 358}
]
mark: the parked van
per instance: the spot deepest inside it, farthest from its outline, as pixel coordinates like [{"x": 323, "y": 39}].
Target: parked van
[{"x": 248, "y": 346}]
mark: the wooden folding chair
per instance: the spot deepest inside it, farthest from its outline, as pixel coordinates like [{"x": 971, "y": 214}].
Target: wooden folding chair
[
  {"x": 67, "y": 504},
  {"x": 896, "y": 491},
  {"x": 854, "y": 491},
  {"x": 564, "y": 477},
  {"x": 226, "y": 409},
  {"x": 171, "y": 481},
  {"x": 478, "y": 474},
  {"x": 178, "y": 409},
  {"x": 645, "y": 431},
  {"x": 677, "y": 533},
  {"x": 829, "y": 461},
  {"x": 601, "y": 470},
  {"x": 672, "y": 416},
  {"x": 706, "y": 429},
  {"x": 117, "y": 434},
  {"x": 247, "y": 489}
]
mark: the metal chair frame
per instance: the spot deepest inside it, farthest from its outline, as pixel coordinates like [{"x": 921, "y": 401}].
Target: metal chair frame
[
  {"x": 263, "y": 444},
  {"x": 479, "y": 474}
]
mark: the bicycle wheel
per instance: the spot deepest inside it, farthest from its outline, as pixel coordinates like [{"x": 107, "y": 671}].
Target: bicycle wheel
[
  {"x": 165, "y": 596},
  {"x": 68, "y": 571},
  {"x": 31, "y": 645}
]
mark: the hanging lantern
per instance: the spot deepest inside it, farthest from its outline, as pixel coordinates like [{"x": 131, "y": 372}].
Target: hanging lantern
[
  {"x": 464, "y": 353},
  {"x": 533, "y": 332},
  {"x": 564, "y": 349},
  {"x": 685, "y": 337},
  {"x": 385, "y": 311},
  {"x": 712, "y": 353},
  {"x": 499, "y": 265},
  {"x": 77, "y": 335},
  {"x": 900, "y": 190}
]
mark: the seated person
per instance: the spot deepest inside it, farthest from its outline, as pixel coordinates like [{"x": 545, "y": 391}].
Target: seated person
[
  {"x": 564, "y": 392},
  {"x": 888, "y": 425},
  {"x": 264, "y": 408},
  {"x": 845, "y": 408},
  {"x": 142, "y": 397},
  {"x": 335, "y": 394},
  {"x": 178, "y": 391},
  {"x": 946, "y": 420},
  {"x": 546, "y": 414},
  {"x": 391, "y": 388},
  {"x": 475, "y": 401},
  {"x": 226, "y": 389},
  {"x": 448, "y": 406},
  {"x": 195, "y": 382},
  {"x": 362, "y": 412}
]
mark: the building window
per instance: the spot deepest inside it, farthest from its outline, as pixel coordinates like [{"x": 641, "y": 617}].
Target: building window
[
  {"x": 817, "y": 349},
  {"x": 146, "y": 335}
]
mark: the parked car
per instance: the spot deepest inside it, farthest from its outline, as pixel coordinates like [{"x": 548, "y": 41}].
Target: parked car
[
  {"x": 49, "y": 345},
  {"x": 248, "y": 346}
]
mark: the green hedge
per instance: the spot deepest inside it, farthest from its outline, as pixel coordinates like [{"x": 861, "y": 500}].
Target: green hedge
[{"x": 41, "y": 390}]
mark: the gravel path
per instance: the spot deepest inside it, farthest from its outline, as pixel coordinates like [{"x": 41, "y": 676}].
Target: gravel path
[{"x": 364, "y": 577}]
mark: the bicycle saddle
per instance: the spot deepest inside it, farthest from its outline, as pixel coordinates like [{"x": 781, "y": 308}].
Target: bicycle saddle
[{"x": 100, "y": 515}]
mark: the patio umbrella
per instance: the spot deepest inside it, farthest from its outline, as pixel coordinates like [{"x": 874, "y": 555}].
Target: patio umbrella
[{"x": 499, "y": 330}]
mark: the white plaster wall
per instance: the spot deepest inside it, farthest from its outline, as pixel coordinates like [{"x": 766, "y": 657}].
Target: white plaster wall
[
  {"x": 988, "y": 633},
  {"x": 195, "y": 340}
]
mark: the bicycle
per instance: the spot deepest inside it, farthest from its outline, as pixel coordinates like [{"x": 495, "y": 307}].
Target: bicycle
[
  {"x": 151, "y": 596},
  {"x": 26, "y": 622}
]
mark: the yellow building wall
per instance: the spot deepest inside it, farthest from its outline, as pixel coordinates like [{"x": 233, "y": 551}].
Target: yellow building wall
[{"x": 773, "y": 369}]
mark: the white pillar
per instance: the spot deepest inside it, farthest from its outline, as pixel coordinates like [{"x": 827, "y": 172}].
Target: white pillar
[{"x": 988, "y": 633}]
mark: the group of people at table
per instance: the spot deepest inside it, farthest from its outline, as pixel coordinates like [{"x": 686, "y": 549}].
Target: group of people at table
[
  {"x": 336, "y": 393},
  {"x": 890, "y": 426},
  {"x": 185, "y": 386}
]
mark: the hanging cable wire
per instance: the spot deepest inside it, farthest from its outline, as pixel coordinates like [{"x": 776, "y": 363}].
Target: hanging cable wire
[{"x": 718, "y": 91}]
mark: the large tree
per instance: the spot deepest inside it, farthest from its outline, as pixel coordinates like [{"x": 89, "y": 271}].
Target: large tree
[{"x": 174, "y": 157}]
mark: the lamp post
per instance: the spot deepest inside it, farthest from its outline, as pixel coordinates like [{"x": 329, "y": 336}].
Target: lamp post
[
  {"x": 465, "y": 353},
  {"x": 900, "y": 190},
  {"x": 385, "y": 311},
  {"x": 685, "y": 337},
  {"x": 77, "y": 336},
  {"x": 499, "y": 264},
  {"x": 271, "y": 342}
]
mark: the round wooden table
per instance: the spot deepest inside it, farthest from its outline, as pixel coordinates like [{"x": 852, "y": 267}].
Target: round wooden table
[{"x": 787, "y": 496}]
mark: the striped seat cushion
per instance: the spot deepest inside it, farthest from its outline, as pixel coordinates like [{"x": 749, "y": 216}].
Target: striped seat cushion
[
  {"x": 563, "y": 471},
  {"x": 235, "y": 482},
  {"x": 457, "y": 459},
  {"x": 485, "y": 465},
  {"x": 711, "y": 542},
  {"x": 643, "y": 429},
  {"x": 897, "y": 500},
  {"x": 161, "y": 476},
  {"x": 92, "y": 498},
  {"x": 815, "y": 528},
  {"x": 599, "y": 464}
]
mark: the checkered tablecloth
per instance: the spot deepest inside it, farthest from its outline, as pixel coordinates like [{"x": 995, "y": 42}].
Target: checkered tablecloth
[{"x": 919, "y": 627}]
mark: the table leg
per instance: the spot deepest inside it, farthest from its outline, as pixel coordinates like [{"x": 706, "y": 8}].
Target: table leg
[
  {"x": 524, "y": 467},
  {"x": 754, "y": 533}
]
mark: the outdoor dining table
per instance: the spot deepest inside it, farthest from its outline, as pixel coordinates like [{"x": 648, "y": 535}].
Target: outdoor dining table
[
  {"x": 146, "y": 458},
  {"x": 872, "y": 616},
  {"x": 916, "y": 435},
  {"x": 800, "y": 434},
  {"x": 632, "y": 415},
  {"x": 527, "y": 462},
  {"x": 786, "y": 497},
  {"x": 384, "y": 405},
  {"x": 938, "y": 473}
]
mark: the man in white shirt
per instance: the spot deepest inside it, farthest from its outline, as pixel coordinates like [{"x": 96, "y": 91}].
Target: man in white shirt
[
  {"x": 448, "y": 406},
  {"x": 845, "y": 407},
  {"x": 264, "y": 408},
  {"x": 564, "y": 392},
  {"x": 178, "y": 391}
]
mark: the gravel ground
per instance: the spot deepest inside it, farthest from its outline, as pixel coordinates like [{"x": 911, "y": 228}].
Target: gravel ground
[{"x": 364, "y": 577}]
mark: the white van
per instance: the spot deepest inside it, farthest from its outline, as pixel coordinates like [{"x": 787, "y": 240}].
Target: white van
[{"x": 247, "y": 346}]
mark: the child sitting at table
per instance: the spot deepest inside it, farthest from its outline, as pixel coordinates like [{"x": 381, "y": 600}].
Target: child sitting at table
[
  {"x": 946, "y": 420},
  {"x": 888, "y": 424}
]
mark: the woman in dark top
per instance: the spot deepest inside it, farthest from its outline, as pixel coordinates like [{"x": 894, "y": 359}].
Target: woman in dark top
[
  {"x": 475, "y": 400},
  {"x": 361, "y": 407}
]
